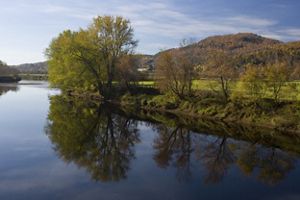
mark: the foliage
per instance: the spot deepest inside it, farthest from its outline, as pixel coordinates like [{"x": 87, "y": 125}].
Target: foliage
[
  {"x": 277, "y": 76},
  {"x": 87, "y": 59},
  {"x": 6, "y": 70},
  {"x": 253, "y": 83}
]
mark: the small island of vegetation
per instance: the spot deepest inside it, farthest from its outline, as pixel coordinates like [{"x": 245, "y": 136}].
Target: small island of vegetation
[
  {"x": 8, "y": 74},
  {"x": 242, "y": 78}
]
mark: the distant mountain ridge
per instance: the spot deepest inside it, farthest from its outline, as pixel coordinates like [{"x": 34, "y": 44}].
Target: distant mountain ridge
[
  {"x": 32, "y": 68},
  {"x": 244, "y": 48},
  {"x": 237, "y": 42}
]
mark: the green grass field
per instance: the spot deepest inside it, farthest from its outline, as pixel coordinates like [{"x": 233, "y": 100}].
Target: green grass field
[{"x": 290, "y": 91}]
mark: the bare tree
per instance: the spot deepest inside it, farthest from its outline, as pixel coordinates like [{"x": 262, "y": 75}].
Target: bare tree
[
  {"x": 174, "y": 73},
  {"x": 126, "y": 72},
  {"x": 220, "y": 67}
]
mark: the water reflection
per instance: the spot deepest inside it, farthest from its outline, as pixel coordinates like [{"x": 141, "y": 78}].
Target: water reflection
[
  {"x": 269, "y": 165},
  {"x": 4, "y": 88},
  {"x": 217, "y": 156},
  {"x": 175, "y": 146},
  {"x": 103, "y": 141},
  {"x": 93, "y": 138}
]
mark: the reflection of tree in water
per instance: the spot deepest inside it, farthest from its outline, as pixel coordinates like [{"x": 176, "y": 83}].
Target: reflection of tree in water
[
  {"x": 270, "y": 165},
  {"x": 173, "y": 146},
  {"x": 7, "y": 87},
  {"x": 176, "y": 146},
  {"x": 103, "y": 143},
  {"x": 217, "y": 156},
  {"x": 92, "y": 138}
]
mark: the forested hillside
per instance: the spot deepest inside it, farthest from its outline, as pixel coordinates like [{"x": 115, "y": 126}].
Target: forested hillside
[
  {"x": 241, "y": 50},
  {"x": 32, "y": 68},
  {"x": 6, "y": 70}
]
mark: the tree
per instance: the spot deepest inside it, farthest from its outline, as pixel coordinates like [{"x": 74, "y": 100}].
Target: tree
[
  {"x": 66, "y": 71},
  {"x": 127, "y": 73},
  {"x": 114, "y": 38},
  {"x": 220, "y": 66},
  {"x": 90, "y": 56},
  {"x": 253, "y": 83},
  {"x": 6, "y": 70},
  {"x": 174, "y": 73},
  {"x": 277, "y": 76}
]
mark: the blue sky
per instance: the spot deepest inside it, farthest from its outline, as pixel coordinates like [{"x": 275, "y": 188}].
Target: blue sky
[{"x": 27, "y": 26}]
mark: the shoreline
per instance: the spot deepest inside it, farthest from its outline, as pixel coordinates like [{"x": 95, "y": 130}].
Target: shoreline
[
  {"x": 228, "y": 113},
  {"x": 264, "y": 134},
  {"x": 277, "y": 120}
]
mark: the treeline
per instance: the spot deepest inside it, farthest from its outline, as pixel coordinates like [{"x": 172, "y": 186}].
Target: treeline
[
  {"x": 100, "y": 58},
  {"x": 5, "y": 70},
  {"x": 176, "y": 74}
]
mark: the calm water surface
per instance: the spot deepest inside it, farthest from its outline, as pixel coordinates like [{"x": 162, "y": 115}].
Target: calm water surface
[{"x": 55, "y": 148}]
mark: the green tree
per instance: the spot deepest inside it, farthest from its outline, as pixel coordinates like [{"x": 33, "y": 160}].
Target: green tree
[
  {"x": 87, "y": 58},
  {"x": 277, "y": 76},
  {"x": 253, "y": 83}
]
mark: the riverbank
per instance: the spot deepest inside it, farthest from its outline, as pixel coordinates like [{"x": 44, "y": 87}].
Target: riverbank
[
  {"x": 10, "y": 79},
  {"x": 285, "y": 139},
  {"x": 266, "y": 136},
  {"x": 284, "y": 116}
]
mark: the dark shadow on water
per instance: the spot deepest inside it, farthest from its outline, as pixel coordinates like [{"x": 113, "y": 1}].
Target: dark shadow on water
[
  {"x": 102, "y": 140},
  {"x": 4, "y": 88}
]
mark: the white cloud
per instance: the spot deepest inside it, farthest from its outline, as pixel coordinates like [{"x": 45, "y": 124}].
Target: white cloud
[
  {"x": 293, "y": 32},
  {"x": 162, "y": 19},
  {"x": 252, "y": 21},
  {"x": 157, "y": 23}
]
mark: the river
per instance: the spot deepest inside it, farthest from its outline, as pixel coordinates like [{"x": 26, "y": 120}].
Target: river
[{"x": 57, "y": 148}]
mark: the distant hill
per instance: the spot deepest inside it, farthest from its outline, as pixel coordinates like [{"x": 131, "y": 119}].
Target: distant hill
[
  {"x": 239, "y": 46},
  {"x": 32, "y": 68},
  {"x": 241, "y": 42},
  {"x": 243, "y": 48},
  {"x": 233, "y": 44},
  {"x": 145, "y": 62}
]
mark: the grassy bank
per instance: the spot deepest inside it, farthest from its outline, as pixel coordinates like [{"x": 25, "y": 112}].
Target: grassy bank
[
  {"x": 177, "y": 119},
  {"x": 283, "y": 116},
  {"x": 37, "y": 77},
  {"x": 288, "y": 141}
]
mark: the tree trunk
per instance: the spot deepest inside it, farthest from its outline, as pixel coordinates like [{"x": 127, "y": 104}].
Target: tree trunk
[{"x": 224, "y": 88}]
